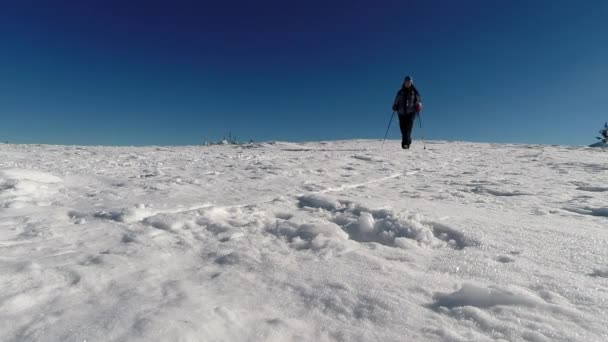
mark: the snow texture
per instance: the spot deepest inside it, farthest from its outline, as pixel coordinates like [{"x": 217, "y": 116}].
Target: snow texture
[{"x": 325, "y": 241}]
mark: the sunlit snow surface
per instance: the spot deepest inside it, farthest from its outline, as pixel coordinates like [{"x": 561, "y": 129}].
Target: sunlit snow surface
[{"x": 334, "y": 241}]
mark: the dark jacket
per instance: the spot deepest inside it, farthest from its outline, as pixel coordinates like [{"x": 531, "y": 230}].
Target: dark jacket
[{"x": 407, "y": 101}]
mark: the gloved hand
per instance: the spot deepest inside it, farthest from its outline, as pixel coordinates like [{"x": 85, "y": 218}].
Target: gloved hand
[
  {"x": 419, "y": 107},
  {"x": 395, "y": 107}
]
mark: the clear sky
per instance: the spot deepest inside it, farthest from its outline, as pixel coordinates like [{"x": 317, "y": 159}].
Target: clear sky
[{"x": 182, "y": 72}]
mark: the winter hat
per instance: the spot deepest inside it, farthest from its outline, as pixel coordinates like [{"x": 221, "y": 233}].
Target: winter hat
[{"x": 408, "y": 78}]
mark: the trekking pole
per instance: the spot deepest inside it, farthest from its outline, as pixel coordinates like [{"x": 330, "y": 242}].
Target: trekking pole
[
  {"x": 420, "y": 122},
  {"x": 387, "y": 129}
]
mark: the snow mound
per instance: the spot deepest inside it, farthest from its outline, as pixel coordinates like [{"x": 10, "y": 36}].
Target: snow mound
[
  {"x": 19, "y": 187},
  {"x": 315, "y": 236},
  {"x": 472, "y": 295},
  {"x": 384, "y": 226}
]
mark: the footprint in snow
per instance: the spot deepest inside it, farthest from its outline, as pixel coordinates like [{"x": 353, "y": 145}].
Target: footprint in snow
[
  {"x": 366, "y": 158},
  {"x": 505, "y": 259},
  {"x": 592, "y": 188},
  {"x": 600, "y": 212},
  {"x": 498, "y": 193},
  {"x": 597, "y": 273}
]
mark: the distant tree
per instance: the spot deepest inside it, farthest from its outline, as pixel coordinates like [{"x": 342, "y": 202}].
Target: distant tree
[{"x": 604, "y": 133}]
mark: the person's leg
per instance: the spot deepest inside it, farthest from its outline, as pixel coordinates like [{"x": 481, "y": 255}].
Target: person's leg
[
  {"x": 406, "y": 131},
  {"x": 403, "y": 123}
]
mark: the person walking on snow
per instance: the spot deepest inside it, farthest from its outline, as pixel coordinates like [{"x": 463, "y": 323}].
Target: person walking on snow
[{"x": 407, "y": 104}]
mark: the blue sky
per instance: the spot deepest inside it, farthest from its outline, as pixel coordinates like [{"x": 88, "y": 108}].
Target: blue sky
[{"x": 182, "y": 72}]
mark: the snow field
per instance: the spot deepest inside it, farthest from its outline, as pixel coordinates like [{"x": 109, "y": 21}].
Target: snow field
[{"x": 331, "y": 241}]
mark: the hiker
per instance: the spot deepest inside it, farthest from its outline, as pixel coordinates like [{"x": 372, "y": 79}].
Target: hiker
[{"x": 407, "y": 104}]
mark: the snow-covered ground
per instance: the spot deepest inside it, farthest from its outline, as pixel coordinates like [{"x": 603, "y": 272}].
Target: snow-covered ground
[{"x": 328, "y": 241}]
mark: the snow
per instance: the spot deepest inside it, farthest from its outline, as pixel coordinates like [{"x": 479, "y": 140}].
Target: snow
[
  {"x": 320, "y": 241},
  {"x": 20, "y": 187}
]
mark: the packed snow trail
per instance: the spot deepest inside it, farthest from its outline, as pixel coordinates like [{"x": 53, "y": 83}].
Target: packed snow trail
[{"x": 328, "y": 241}]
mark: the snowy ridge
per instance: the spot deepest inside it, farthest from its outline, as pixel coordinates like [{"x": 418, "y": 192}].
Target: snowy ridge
[{"x": 327, "y": 241}]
